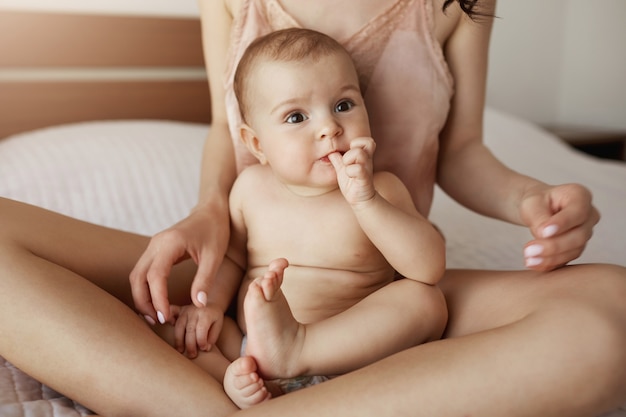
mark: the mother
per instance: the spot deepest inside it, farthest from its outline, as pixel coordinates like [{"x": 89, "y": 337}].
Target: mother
[{"x": 542, "y": 334}]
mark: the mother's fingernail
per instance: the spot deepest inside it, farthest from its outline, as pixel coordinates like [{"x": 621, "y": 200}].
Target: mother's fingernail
[
  {"x": 150, "y": 320},
  {"x": 161, "y": 317},
  {"x": 533, "y": 250},
  {"x": 533, "y": 261},
  {"x": 202, "y": 298},
  {"x": 550, "y": 231}
]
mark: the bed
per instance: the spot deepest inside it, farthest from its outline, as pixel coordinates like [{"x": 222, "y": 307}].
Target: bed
[{"x": 122, "y": 148}]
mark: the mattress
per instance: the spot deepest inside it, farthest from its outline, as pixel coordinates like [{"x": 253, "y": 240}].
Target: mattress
[{"x": 142, "y": 176}]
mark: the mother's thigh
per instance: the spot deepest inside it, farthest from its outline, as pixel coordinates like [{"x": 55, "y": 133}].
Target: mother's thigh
[
  {"x": 481, "y": 300},
  {"x": 102, "y": 255}
]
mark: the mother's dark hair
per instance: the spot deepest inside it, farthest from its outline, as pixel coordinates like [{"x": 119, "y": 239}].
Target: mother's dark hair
[{"x": 466, "y": 5}]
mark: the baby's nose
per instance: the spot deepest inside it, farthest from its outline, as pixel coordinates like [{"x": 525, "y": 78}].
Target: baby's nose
[{"x": 330, "y": 130}]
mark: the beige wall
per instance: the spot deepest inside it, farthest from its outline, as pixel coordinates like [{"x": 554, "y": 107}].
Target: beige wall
[
  {"x": 560, "y": 61},
  {"x": 135, "y": 7},
  {"x": 552, "y": 61}
]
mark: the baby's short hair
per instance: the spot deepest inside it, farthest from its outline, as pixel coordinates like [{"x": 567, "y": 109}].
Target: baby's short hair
[{"x": 285, "y": 45}]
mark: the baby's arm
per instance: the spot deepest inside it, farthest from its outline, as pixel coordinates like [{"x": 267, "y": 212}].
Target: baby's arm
[
  {"x": 386, "y": 213},
  {"x": 408, "y": 241}
]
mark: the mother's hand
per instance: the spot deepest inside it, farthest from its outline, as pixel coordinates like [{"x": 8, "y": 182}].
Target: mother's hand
[
  {"x": 561, "y": 218},
  {"x": 203, "y": 236}
]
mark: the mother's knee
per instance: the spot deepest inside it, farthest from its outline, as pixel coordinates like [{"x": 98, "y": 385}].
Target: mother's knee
[
  {"x": 10, "y": 220},
  {"x": 596, "y": 293},
  {"x": 590, "y": 313},
  {"x": 604, "y": 293},
  {"x": 602, "y": 286}
]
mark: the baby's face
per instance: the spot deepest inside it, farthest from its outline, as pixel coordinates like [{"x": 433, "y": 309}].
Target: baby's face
[{"x": 303, "y": 111}]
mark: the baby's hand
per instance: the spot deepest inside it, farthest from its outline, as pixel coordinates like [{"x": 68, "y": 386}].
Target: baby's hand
[
  {"x": 196, "y": 328},
  {"x": 355, "y": 170},
  {"x": 561, "y": 218}
]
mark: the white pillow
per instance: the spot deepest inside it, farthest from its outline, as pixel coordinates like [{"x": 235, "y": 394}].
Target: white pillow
[{"x": 140, "y": 176}]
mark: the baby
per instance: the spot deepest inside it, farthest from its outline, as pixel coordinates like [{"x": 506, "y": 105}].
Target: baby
[{"x": 337, "y": 269}]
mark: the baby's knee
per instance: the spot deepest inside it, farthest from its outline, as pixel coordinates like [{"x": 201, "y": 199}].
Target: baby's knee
[
  {"x": 438, "y": 310},
  {"x": 425, "y": 305}
]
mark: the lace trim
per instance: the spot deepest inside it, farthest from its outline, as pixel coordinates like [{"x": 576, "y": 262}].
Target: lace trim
[
  {"x": 235, "y": 41},
  {"x": 435, "y": 47},
  {"x": 366, "y": 45}
]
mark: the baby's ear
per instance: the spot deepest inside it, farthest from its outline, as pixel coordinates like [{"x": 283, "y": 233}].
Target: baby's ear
[{"x": 249, "y": 137}]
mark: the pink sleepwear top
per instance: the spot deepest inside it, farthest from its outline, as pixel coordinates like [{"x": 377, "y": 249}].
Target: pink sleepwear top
[{"x": 406, "y": 85}]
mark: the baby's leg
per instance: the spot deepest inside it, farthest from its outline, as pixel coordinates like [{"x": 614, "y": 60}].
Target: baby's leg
[
  {"x": 400, "y": 315},
  {"x": 275, "y": 338}
]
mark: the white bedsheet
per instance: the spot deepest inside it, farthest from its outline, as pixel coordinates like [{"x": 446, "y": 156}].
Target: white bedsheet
[{"x": 142, "y": 176}]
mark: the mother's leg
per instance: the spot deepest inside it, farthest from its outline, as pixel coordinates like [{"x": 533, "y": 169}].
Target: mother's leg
[
  {"x": 75, "y": 336},
  {"x": 520, "y": 344},
  {"x": 564, "y": 348}
]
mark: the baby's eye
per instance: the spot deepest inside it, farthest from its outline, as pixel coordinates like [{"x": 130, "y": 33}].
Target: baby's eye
[
  {"x": 296, "y": 118},
  {"x": 344, "y": 106}
]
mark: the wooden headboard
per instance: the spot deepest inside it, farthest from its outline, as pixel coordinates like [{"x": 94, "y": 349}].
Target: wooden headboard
[{"x": 64, "y": 68}]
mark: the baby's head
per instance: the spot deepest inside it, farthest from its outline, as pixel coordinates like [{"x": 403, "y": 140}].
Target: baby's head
[
  {"x": 287, "y": 45},
  {"x": 300, "y": 100}
]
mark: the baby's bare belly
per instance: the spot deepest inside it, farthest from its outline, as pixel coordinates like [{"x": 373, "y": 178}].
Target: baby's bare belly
[{"x": 316, "y": 293}]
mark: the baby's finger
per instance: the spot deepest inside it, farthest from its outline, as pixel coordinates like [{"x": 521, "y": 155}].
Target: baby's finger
[
  {"x": 175, "y": 312},
  {"x": 179, "y": 333},
  {"x": 356, "y": 156},
  {"x": 278, "y": 265},
  {"x": 191, "y": 341},
  {"x": 365, "y": 143},
  {"x": 214, "y": 333},
  {"x": 336, "y": 159},
  {"x": 356, "y": 171},
  {"x": 202, "y": 334}
]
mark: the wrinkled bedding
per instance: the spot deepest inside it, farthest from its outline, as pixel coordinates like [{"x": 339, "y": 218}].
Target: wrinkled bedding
[
  {"x": 142, "y": 176},
  {"x": 22, "y": 396}
]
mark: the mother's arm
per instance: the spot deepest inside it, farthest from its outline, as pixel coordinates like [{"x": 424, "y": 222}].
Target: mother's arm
[
  {"x": 204, "y": 234},
  {"x": 560, "y": 218}
]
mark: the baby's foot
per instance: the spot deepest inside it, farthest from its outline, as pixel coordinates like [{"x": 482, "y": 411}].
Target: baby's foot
[
  {"x": 275, "y": 338},
  {"x": 243, "y": 385}
]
